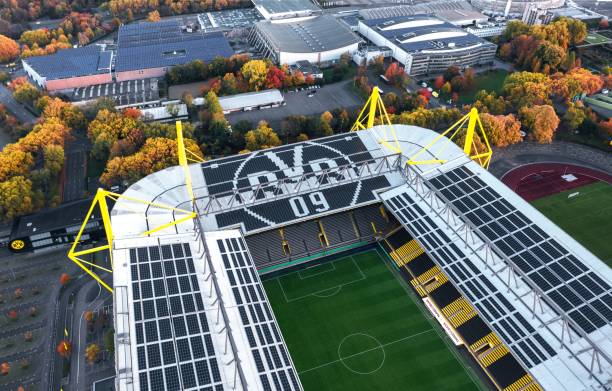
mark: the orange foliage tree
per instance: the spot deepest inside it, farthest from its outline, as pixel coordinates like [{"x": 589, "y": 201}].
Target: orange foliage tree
[
  {"x": 541, "y": 120},
  {"x": 9, "y": 49},
  {"x": 576, "y": 81},
  {"x": 4, "y": 369},
  {"x": 65, "y": 279},
  {"x": 64, "y": 348}
]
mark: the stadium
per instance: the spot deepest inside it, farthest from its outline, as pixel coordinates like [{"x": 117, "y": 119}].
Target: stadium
[{"x": 384, "y": 258}]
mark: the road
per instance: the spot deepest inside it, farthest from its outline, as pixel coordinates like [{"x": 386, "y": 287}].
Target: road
[{"x": 20, "y": 112}]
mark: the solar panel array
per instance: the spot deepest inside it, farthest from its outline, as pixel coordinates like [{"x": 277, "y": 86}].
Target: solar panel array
[
  {"x": 270, "y": 355},
  {"x": 566, "y": 281},
  {"x": 174, "y": 345}
]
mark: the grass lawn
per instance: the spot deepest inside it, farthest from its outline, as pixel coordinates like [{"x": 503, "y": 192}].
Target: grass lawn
[
  {"x": 586, "y": 217},
  {"x": 351, "y": 325},
  {"x": 489, "y": 80}
]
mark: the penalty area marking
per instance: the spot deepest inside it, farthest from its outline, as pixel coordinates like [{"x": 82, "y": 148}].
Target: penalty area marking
[
  {"x": 317, "y": 273},
  {"x": 367, "y": 351},
  {"x": 321, "y": 293}
]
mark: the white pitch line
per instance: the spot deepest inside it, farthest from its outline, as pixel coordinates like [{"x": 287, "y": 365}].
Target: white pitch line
[{"x": 368, "y": 350}]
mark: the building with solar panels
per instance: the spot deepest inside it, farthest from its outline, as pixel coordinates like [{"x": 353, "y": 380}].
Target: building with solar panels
[
  {"x": 425, "y": 44},
  {"x": 286, "y": 9},
  {"x": 146, "y": 50},
  {"x": 71, "y": 68},
  {"x": 319, "y": 39},
  {"x": 525, "y": 301}
]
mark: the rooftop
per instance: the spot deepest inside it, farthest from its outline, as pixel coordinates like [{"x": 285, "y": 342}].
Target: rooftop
[
  {"x": 318, "y": 34},
  {"x": 238, "y": 101},
  {"x": 165, "y": 44},
  {"x": 455, "y": 12},
  {"x": 423, "y": 33},
  {"x": 83, "y": 61},
  {"x": 285, "y": 6}
]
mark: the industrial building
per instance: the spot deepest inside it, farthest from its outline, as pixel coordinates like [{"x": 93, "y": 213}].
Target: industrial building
[
  {"x": 319, "y": 39},
  {"x": 425, "y": 44},
  {"x": 146, "y": 50},
  {"x": 286, "y": 9},
  {"x": 251, "y": 101},
  {"x": 517, "y": 295},
  {"x": 513, "y": 8},
  {"x": 71, "y": 68},
  {"x": 143, "y": 51},
  {"x": 456, "y": 12}
]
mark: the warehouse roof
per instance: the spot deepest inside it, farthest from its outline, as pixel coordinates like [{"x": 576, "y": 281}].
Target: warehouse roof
[
  {"x": 285, "y": 6},
  {"x": 165, "y": 44},
  {"x": 420, "y": 33},
  {"x": 318, "y": 34},
  {"x": 250, "y": 99},
  {"x": 83, "y": 61},
  {"x": 456, "y": 12}
]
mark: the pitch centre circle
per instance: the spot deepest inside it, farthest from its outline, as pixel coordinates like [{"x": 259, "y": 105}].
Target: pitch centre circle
[{"x": 361, "y": 353}]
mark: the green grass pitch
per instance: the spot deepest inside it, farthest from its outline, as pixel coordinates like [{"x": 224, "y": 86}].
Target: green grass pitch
[
  {"x": 587, "y": 217},
  {"x": 595, "y": 38},
  {"x": 350, "y": 325}
]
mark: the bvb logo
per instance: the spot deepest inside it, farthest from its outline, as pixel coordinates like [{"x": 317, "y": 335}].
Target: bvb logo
[{"x": 17, "y": 244}]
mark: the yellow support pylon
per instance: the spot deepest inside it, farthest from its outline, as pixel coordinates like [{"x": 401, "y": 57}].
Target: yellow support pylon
[
  {"x": 472, "y": 120},
  {"x": 375, "y": 107},
  {"x": 184, "y": 159},
  {"x": 100, "y": 200}
]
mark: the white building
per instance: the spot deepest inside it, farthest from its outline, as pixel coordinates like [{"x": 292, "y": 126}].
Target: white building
[
  {"x": 484, "y": 30},
  {"x": 286, "y": 9},
  {"x": 251, "y": 101},
  {"x": 319, "y": 39}
]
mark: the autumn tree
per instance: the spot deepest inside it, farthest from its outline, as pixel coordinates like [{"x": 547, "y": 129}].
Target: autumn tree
[
  {"x": 153, "y": 16},
  {"x": 254, "y": 73},
  {"x": 577, "y": 81},
  {"x": 574, "y": 116},
  {"x": 261, "y": 138},
  {"x": 439, "y": 82},
  {"x": 15, "y": 197},
  {"x": 65, "y": 279},
  {"x": 4, "y": 368},
  {"x": 28, "y": 336},
  {"x": 527, "y": 89},
  {"x": 64, "y": 348},
  {"x": 26, "y": 93},
  {"x": 396, "y": 75},
  {"x": 275, "y": 78},
  {"x": 9, "y": 49},
  {"x": 501, "y": 130},
  {"x": 490, "y": 102},
  {"x": 541, "y": 120},
  {"x": 92, "y": 353}
]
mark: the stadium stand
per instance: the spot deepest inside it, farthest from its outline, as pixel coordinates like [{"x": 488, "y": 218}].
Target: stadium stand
[
  {"x": 483, "y": 344},
  {"x": 339, "y": 228}
]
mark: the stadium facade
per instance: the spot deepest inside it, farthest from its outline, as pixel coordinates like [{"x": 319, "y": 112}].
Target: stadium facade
[
  {"x": 319, "y": 39},
  {"x": 530, "y": 304},
  {"x": 424, "y": 44}
]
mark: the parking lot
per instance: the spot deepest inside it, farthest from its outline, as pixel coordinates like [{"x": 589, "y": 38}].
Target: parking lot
[
  {"x": 328, "y": 97},
  {"x": 228, "y": 19},
  {"x": 123, "y": 93}
]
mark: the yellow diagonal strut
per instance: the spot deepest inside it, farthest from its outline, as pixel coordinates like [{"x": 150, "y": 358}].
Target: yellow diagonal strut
[
  {"x": 474, "y": 126},
  {"x": 100, "y": 200},
  {"x": 373, "y": 108}
]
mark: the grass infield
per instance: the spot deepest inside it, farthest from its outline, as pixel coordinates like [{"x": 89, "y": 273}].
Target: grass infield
[
  {"x": 350, "y": 325},
  {"x": 587, "y": 217}
]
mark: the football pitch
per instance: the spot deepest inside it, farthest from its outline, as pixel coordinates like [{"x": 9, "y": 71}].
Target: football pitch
[
  {"x": 350, "y": 324},
  {"x": 587, "y": 216}
]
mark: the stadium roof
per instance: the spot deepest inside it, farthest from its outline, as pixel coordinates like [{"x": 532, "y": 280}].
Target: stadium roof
[
  {"x": 249, "y": 99},
  {"x": 455, "y": 12},
  {"x": 67, "y": 63},
  {"x": 423, "y": 33},
  {"x": 547, "y": 298},
  {"x": 165, "y": 44},
  {"x": 285, "y": 6},
  {"x": 318, "y": 34}
]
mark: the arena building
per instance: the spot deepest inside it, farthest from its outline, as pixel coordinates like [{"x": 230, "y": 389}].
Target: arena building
[
  {"x": 146, "y": 50},
  {"x": 513, "y": 8},
  {"x": 425, "y": 44},
  {"x": 286, "y": 9},
  {"x": 528, "y": 303},
  {"x": 318, "y": 39},
  {"x": 71, "y": 68}
]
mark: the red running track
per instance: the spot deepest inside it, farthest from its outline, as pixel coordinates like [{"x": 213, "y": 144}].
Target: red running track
[{"x": 537, "y": 180}]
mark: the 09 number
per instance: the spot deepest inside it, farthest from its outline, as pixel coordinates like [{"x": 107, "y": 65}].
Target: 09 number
[{"x": 300, "y": 204}]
